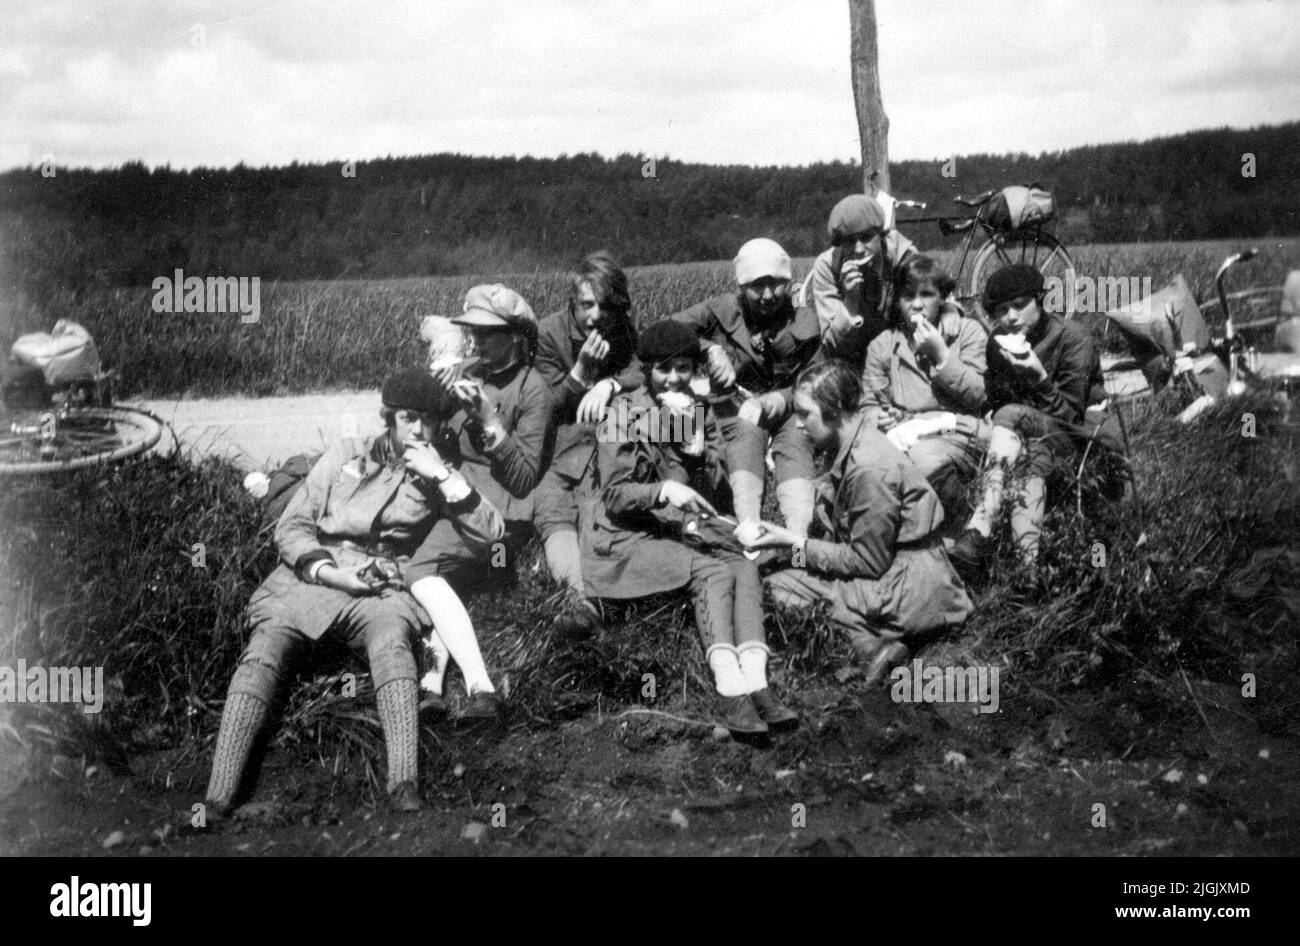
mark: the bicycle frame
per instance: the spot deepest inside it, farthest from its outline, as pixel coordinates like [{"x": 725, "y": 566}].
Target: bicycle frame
[{"x": 973, "y": 222}]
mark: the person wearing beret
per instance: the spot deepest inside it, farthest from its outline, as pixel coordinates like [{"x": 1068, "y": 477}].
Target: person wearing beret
[
  {"x": 754, "y": 342},
  {"x": 875, "y": 553},
  {"x": 343, "y": 540},
  {"x": 500, "y": 439},
  {"x": 1043, "y": 372},
  {"x": 662, "y": 478}
]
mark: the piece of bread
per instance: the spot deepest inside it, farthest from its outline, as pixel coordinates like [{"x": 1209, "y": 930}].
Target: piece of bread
[{"x": 1013, "y": 344}]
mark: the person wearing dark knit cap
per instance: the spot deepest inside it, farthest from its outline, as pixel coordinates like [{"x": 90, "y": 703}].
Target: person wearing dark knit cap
[
  {"x": 661, "y": 525},
  {"x": 849, "y": 285},
  {"x": 1043, "y": 372},
  {"x": 343, "y": 540}
]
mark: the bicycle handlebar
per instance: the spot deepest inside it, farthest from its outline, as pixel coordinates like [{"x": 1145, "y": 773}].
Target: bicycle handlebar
[{"x": 1229, "y": 330}]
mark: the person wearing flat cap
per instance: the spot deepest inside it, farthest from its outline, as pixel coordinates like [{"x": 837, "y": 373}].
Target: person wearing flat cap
[
  {"x": 500, "y": 438},
  {"x": 849, "y": 284},
  {"x": 662, "y": 467},
  {"x": 343, "y": 541},
  {"x": 1043, "y": 373},
  {"x": 587, "y": 354},
  {"x": 754, "y": 342}
]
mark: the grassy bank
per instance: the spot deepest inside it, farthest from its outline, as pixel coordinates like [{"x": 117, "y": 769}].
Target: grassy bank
[{"x": 1197, "y": 581}]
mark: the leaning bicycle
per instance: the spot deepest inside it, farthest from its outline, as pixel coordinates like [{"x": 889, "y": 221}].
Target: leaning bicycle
[
  {"x": 1012, "y": 223},
  {"x": 58, "y": 414}
]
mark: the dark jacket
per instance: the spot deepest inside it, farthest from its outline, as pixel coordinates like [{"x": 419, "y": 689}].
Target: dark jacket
[
  {"x": 632, "y": 546},
  {"x": 766, "y": 358},
  {"x": 559, "y": 339},
  {"x": 507, "y": 474},
  {"x": 1073, "y": 372}
]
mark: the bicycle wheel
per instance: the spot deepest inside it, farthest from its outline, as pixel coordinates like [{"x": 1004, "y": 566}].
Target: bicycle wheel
[
  {"x": 80, "y": 437},
  {"x": 1038, "y": 249}
]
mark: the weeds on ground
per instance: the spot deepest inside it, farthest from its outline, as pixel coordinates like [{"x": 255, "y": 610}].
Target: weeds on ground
[{"x": 145, "y": 571}]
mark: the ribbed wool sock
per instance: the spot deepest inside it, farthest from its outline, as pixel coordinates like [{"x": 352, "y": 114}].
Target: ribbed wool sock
[
  {"x": 725, "y": 664},
  {"x": 753, "y": 665},
  {"x": 241, "y": 722},
  {"x": 398, "y": 716},
  {"x": 453, "y": 626}
]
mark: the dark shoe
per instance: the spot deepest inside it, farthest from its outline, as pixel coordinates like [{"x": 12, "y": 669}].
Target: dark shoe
[
  {"x": 404, "y": 797},
  {"x": 479, "y": 709},
  {"x": 742, "y": 719},
  {"x": 778, "y": 716},
  {"x": 970, "y": 551},
  {"x": 435, "y": 705},
  {"x": 885, "y": 659},
  {"x": 579, "y": 620}
]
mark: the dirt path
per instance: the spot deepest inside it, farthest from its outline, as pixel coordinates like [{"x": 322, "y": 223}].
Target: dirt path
[{"x": 256, "y": 432}]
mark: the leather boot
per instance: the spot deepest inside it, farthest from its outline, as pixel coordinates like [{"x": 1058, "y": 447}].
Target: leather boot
[
  {"x": 778, "y": 716},
  {"x": 742, "y": 720}
]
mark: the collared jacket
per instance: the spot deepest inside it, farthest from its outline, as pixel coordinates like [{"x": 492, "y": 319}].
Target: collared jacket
[
  {"x": 896, "y": 375},
  {"x": 506, "y": 470},
  {"x": 359, "y": 503},
  {"x": 632, "y": 545},
  {"x": 1073, "y": 371},
  {"x": 559, "y": 339},
  {"x": 766, "y": 358},
  {"x": 836, "y": 309},
  {"x": 877, "y": 520}
]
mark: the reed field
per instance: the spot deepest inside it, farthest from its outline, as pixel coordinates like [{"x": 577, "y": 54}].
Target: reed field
[{"x": 349, "y": 334}]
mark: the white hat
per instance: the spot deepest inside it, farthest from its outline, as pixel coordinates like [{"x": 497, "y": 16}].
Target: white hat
[{"x": 762, "y": 257}]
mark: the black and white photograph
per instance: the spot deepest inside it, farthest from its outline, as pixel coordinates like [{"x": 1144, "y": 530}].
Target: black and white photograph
[{"x": 843, "y": 428}]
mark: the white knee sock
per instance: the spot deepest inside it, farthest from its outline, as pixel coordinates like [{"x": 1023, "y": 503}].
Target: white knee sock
[
  {"x": 753, "y": 665},
  {"x": 455, "y": 632},
  {"x": 725, "y": 665},
  {"x": 1004, "y": 450},
  {"x": 431, "y": 682},
  {"x": 564, "y": 559},
  {"x": 795, "y": 498}
]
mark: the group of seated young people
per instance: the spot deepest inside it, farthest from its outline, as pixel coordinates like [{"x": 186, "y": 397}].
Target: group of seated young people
[{"x": 880, "y": 404}]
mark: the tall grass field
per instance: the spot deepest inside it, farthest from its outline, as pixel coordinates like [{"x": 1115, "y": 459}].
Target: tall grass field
[{"x": 349, "y": 334}]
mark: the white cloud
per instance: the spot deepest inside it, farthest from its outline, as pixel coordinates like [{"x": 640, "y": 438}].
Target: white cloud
[{"x": 726, "y": 82}]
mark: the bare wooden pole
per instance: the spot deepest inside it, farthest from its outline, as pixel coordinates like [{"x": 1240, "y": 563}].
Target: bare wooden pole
[{"x": 873, "y": 124}]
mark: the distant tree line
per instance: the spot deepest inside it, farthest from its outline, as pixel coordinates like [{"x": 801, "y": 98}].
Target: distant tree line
[{"x": 450, "y": 214}]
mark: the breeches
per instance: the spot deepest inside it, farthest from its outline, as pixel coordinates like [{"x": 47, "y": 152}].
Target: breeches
[
  {"x": 792, "y": 451},
  {"x": 728, "y": 597},
  {"x": 1050, "y": 444},
  {"x": 378, "y": 625}
]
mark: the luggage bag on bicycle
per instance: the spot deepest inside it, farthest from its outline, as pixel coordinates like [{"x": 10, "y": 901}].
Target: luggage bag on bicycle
[{"x": 1021, "y": 206}]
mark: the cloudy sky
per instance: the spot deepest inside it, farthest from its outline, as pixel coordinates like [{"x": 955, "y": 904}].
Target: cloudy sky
[{"x": 215, "y": 82}]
